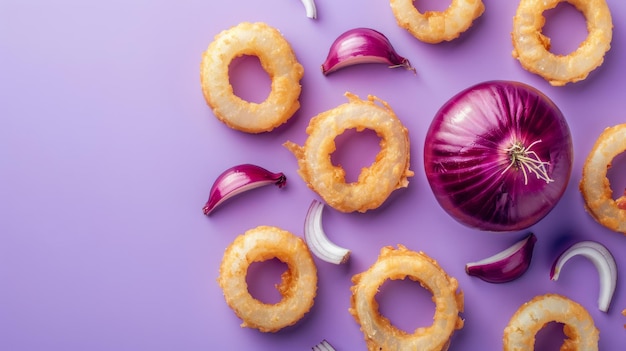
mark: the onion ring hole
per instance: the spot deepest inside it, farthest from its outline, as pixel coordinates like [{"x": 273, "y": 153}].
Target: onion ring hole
[
  {"x": 616, "y": 177},
  {"x": 406, "y": 303},
  {"x": 263, "y": 278},
  {"x": 566, "y": 28},
  {"x": 431, "y": 5},
  {"x": 245, "y": 69},
  {"x": 355, "y": 150},
  {"x": 550, "y": 337}
]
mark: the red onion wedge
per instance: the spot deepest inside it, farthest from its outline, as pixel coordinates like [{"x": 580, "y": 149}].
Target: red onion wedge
[
  {"x": 506, "y": 265},
  {"x": 323, "y": 346},
  {"x": 239, "y": 179},
  {"x": 362, "y": 45},
  {"x": 316, "y": 238},
  {"x": 309, "y": 7},
  {"x": 601, "y": 258},
  {"x": 498, "y": 156}
]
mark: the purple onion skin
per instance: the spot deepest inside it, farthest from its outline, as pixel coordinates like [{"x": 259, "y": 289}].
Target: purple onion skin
[
  {"x": 239, "y": 179},
  {"x": 466, "y": 162},
  {"x": 361, "y": 45},
  {"x": 507, "y": 269}
]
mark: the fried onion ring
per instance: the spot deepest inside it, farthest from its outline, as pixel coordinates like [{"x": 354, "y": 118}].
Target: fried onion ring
[
  {"x": 436, "y": 26},
  {"x": 389, "y": 171},
  {"x": 392, "y": 264},
  {"x": 595, "y": 186},
  {"x": 579, "y": 329},
  {"x": 531, "y": 47},
  {"x": 298, "y": 285},
  {"x": 277, "y": 59}
]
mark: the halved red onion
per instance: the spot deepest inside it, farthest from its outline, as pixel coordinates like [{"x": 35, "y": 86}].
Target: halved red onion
[
  {"x": 362, "y": 45},
  {"x": 239, "y": 179},
  {"x": 601, "y": 258},
  {"x": 498, "y": 156},
  {"x": 506, "y": 265},
  {"x": 316, "y": 238}
]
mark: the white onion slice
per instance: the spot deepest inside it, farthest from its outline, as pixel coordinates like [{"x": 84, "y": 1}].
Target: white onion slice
[
  {"x": 601, "y": 258},
  {"x": 316, "y": 238},
  {"x": 309, "y": 7}
]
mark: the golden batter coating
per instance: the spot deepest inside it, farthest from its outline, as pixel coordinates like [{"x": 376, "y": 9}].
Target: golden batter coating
[
  {"x": 595, "y": 186},
  {"x": 298, "y": 285},
  {"x": 277, "y": 59},
  {"x": 531, "y": 47},
  {"x": 436, "y": 26},
  {"x": 403, "y": 263},
  {"x": 375, "y": 183},
  {"x": 579, "y": 329}
]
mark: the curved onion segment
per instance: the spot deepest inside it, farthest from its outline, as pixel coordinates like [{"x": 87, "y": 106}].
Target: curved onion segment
[
  {"x": 604, "y": 262},
  {"x": 309, "y": 7},
  {"x": 317, "y": 240},
  {"x": 498, "y": 156},
  {"x": 362, "y": 45},
  {"x": 239, "y": 179},
  {"x": 506, "y": 265}
]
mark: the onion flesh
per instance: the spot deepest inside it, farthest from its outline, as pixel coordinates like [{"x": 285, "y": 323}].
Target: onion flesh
[
  {"x": 239, "y": 179},
  {"x": 316, "y": 238},
  {"x": 604, "y": 262},
  {"x": 310, "y": 8},
  {"x": 362, "y": 45},
  {"x": 506, "y": 265},
  {"x": 498, "y": 156}
]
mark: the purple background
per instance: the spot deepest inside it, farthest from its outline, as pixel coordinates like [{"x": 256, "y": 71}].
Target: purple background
[{"x": 108, "y": 151}]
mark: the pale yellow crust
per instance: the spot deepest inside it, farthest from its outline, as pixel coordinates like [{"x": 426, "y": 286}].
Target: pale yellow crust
[
  {"x": 298, "y": 286},
  {"x": 594, "y": 185},
  {"x": 277, "y": 59},
  {"x": 437, "y": 26},
  {"x": 403, "y": 263},
  {"x": 375, "y": 183},
  {"x": 532, "y": 48},
  {"x": 579, "y": 329}
]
